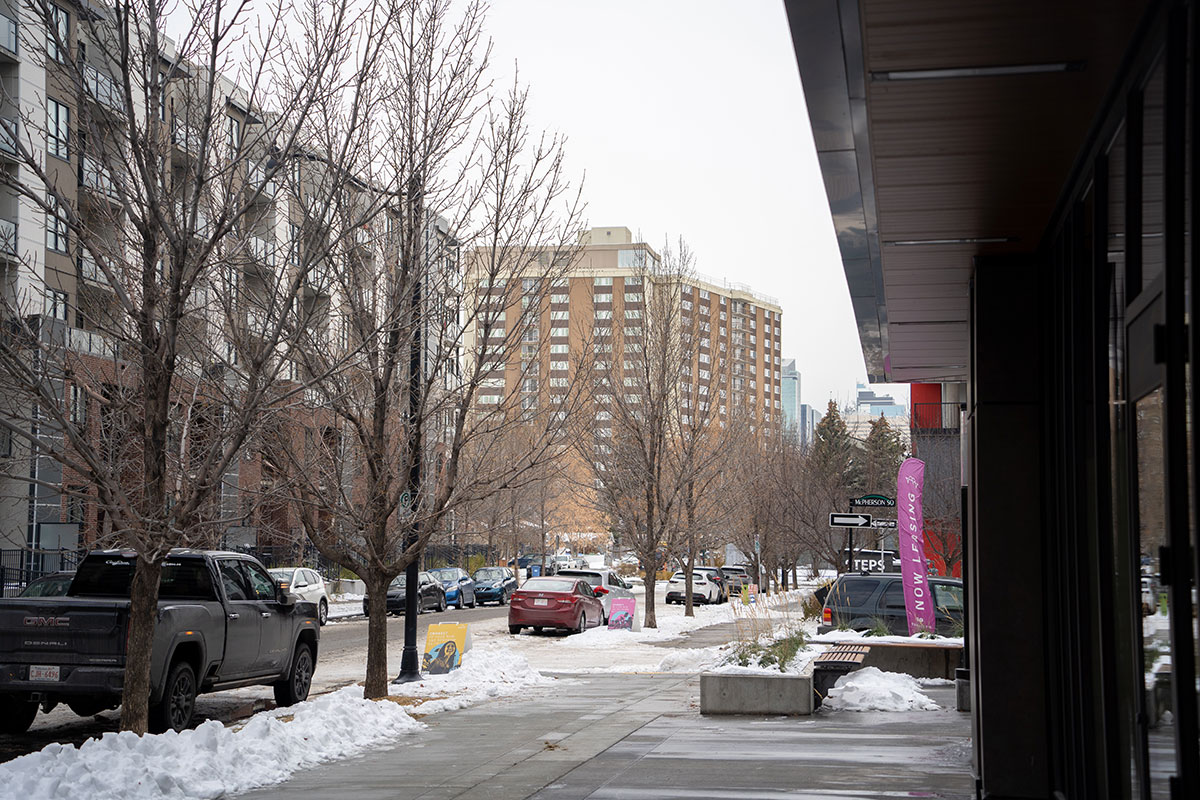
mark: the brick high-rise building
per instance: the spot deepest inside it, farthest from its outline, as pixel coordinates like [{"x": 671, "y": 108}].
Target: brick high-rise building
[{"x": 602, "y": 297}]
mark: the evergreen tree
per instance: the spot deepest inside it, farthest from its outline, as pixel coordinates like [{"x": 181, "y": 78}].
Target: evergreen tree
[
  {"x": 835, "y": 456},
  {"x": 885, "y": 451}
]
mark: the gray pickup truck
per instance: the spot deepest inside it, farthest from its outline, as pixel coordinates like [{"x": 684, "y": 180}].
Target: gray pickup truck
[{"x": 222, "y": 623}]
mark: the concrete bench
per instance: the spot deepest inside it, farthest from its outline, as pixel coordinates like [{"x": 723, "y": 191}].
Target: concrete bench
[{"x": 760, "y": 695}]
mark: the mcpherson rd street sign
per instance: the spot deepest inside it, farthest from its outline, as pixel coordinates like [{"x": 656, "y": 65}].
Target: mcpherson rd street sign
[{"x": 849, "y": 520}]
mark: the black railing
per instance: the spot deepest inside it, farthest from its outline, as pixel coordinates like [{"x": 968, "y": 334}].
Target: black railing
[{"x": 18, "y": 566}]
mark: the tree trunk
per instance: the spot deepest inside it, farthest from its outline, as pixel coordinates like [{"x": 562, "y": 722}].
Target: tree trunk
[
  {"x": 651, "y": 573},
  {"x": 139, "y": 647},
  {"x": 688, "y": 606},
  {"x": 377, "y": 669}
]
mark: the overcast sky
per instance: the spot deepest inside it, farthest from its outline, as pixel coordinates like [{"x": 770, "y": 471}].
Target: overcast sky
[{"x": 689, "y": 120}]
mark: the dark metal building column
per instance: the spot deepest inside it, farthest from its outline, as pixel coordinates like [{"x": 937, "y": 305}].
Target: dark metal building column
[{"x": 1008, "y": 657}]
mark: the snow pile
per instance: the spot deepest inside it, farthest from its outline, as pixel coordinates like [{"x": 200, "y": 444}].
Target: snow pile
[
  {"x": 210, "y": 761},
  {"x": 870, "y": 689},
  {"x": 487, "y": 671}
]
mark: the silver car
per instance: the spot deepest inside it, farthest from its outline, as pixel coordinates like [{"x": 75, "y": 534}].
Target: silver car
[
  {"x": 305, "y": 584},
  {"x": 603, "y": 577}
]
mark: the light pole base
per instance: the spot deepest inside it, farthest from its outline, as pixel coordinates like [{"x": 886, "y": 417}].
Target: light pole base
[{"x": 408, "y": 666}]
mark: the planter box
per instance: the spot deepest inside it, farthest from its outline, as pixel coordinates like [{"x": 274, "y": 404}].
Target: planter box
[{"x": 759, "y": 695}]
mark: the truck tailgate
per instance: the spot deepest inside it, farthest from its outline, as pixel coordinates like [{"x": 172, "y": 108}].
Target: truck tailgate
[{"x": 63, "y": 630}]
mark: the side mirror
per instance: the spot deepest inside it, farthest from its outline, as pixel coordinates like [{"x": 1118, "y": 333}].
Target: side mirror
[
  {"x": 599, "y": 590},
  {"x": 286, "y": 598},
  {"x": 463, "y": 579}
]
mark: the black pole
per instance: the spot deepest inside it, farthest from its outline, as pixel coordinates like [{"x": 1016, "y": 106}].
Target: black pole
[{"x": 409, "y": 666}]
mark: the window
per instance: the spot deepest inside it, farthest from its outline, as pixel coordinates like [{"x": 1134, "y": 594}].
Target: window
[
  {"x": 558, "y": 332},
  {"x": 58, "y": 129},
  {"x": 234, "y": 136},
  {"x": 687, "y": 305},
  {"x": 633, "y": 313},
  {"x": 604, "y": 314},
  {"x": 528, "y": 284},
  {"x": 602, "y": 282},
  {"x": 633, "y": 281},
  {"x": 705, "y": 358},
  {"x": 78, "y": 410},
  {"x": 559, "y": 316},
  {"x": 558, "y": 348},
  {"x": 633, "y": 297},
  {"x": 58, "y": 30},
  {"x": 530, "y": 335},
  {"x": 56, "y": 304},
  {"x": 529, "y": 385},
  {"x": 489, "y": 399},
  {"x": 558, "y": 382},
  {"x": 602, "y": 298},
  {"x": 529, "y": 351},
  {"x": 703, "y": 294},
  {"x": 76, "y": 505},
  {"x": 559, "y": 298},
  {"x": 631, "y": 259},
  {"x": 233, "y": 580},
  {"x": 558, "y": 366}
]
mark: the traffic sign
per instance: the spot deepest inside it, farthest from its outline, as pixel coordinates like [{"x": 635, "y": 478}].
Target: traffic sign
[
  {"x": 849, "y": 520},
  {"x": 872, "y": 501},
  {"x": 883, "y": 523}
]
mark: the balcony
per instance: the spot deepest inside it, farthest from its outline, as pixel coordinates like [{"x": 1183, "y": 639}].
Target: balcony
[
  {"x": 936, "y": 418},
  {"x": 185, "y": 137},
  {"x": 260, "y": 250},
  {"x": 94, "y": 176},
  {"x": 90, "y": 271},
  {"x": 8, "y": 138},
  {"x": 257, "y": 177},
  {"x": 9, "y": 39},
  {"x": 102, "y": 89},
  {"x": 8, "y": 238}
]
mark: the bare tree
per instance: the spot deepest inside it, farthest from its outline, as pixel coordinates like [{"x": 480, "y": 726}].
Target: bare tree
[
  {"x": 451, "y": 289},
  {"x": 646, "y": 440},
  {"x": 146, "y": 382}
]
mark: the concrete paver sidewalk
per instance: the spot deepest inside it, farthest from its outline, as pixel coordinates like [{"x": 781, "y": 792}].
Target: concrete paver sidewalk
[{"x": 641, "y": 736}]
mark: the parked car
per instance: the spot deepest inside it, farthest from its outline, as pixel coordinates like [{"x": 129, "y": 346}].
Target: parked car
[
  {"x": 860, "y": 602},
  {"x": 608, "y": 583},
  {"x": 738, "y": 578},
  {"x": 53, "y": 585},
  {"x": 717, "y": 576},
  {"x": 494, "y": 584},
  {"x": 305, "y": 584},
  {"x": 1149, "y": 601},
  {"x": 430, "y": 594},
  {"x": 223, "y": 623},
  {"x": 703, "y": 590},
  {"x": 460, "y": 588},
  {"x": 555, "y": 602}
]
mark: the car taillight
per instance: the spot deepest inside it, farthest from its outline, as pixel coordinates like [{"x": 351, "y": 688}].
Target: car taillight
[
  {"x": 571, "y": 599},
  {"x": 827, "y": 615}
]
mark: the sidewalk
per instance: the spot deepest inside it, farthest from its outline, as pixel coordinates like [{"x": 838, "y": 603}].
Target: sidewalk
[{"x": 641, "y": 737}]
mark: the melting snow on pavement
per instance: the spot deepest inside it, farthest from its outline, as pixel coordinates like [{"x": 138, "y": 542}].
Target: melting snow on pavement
[
  {"x": 871, "y": 689},
  {"x": 211, "y": 760}
]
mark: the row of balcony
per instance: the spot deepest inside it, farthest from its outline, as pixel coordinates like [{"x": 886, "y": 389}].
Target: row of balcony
[{"x": 9, "y": 36}]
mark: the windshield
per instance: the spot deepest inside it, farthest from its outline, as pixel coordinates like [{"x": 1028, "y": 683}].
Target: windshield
[
  {"x": 491, "y": 574},
  {"x": 398, "y": 582},
  {"x": 594, "y": 578},
  {"x": 48, "y": 587},
  {"x": 445, "y": 574},
  {"x": 548, "y": 585}
]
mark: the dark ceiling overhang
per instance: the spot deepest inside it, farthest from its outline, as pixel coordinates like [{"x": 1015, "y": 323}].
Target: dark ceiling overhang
[{"x": 945, "y": 131}]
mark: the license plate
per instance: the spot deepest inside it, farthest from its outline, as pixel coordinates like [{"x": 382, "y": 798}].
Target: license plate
[
  {"x": 37, "y": 673},
  {"x": 541, "y": 601}
]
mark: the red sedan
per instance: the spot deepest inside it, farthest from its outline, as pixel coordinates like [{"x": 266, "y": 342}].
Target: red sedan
[{"x": 555, "y": 603}]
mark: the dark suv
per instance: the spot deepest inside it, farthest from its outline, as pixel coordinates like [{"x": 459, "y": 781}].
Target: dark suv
[{"x": 860, "y": 602}]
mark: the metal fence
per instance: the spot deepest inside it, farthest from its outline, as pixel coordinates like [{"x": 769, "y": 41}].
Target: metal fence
[
  {"x": 19, "y": 566},
  {"x": 936, "y": 417}
]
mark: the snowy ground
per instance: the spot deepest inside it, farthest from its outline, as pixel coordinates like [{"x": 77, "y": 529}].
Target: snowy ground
[{"x": 215, "y": 760}]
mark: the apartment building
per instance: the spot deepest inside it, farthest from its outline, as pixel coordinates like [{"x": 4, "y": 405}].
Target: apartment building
[
  {"x": 597, "y": 312},
  {"x": 63, "y": 109}
]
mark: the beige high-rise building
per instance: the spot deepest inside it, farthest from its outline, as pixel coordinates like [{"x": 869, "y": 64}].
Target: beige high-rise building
[{"x": 601, "y": 299}]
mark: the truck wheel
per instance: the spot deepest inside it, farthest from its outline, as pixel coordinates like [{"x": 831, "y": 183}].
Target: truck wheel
[
  {"x": 178, "y": 702},
  {"x": 294, "y": 688},
  {"x": 16, "y": 715}
]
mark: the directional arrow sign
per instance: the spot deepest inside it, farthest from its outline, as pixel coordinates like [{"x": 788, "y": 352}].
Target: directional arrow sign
[
  {"x": 849, "y": 520},
  {"x": 883, "y": 523}
]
